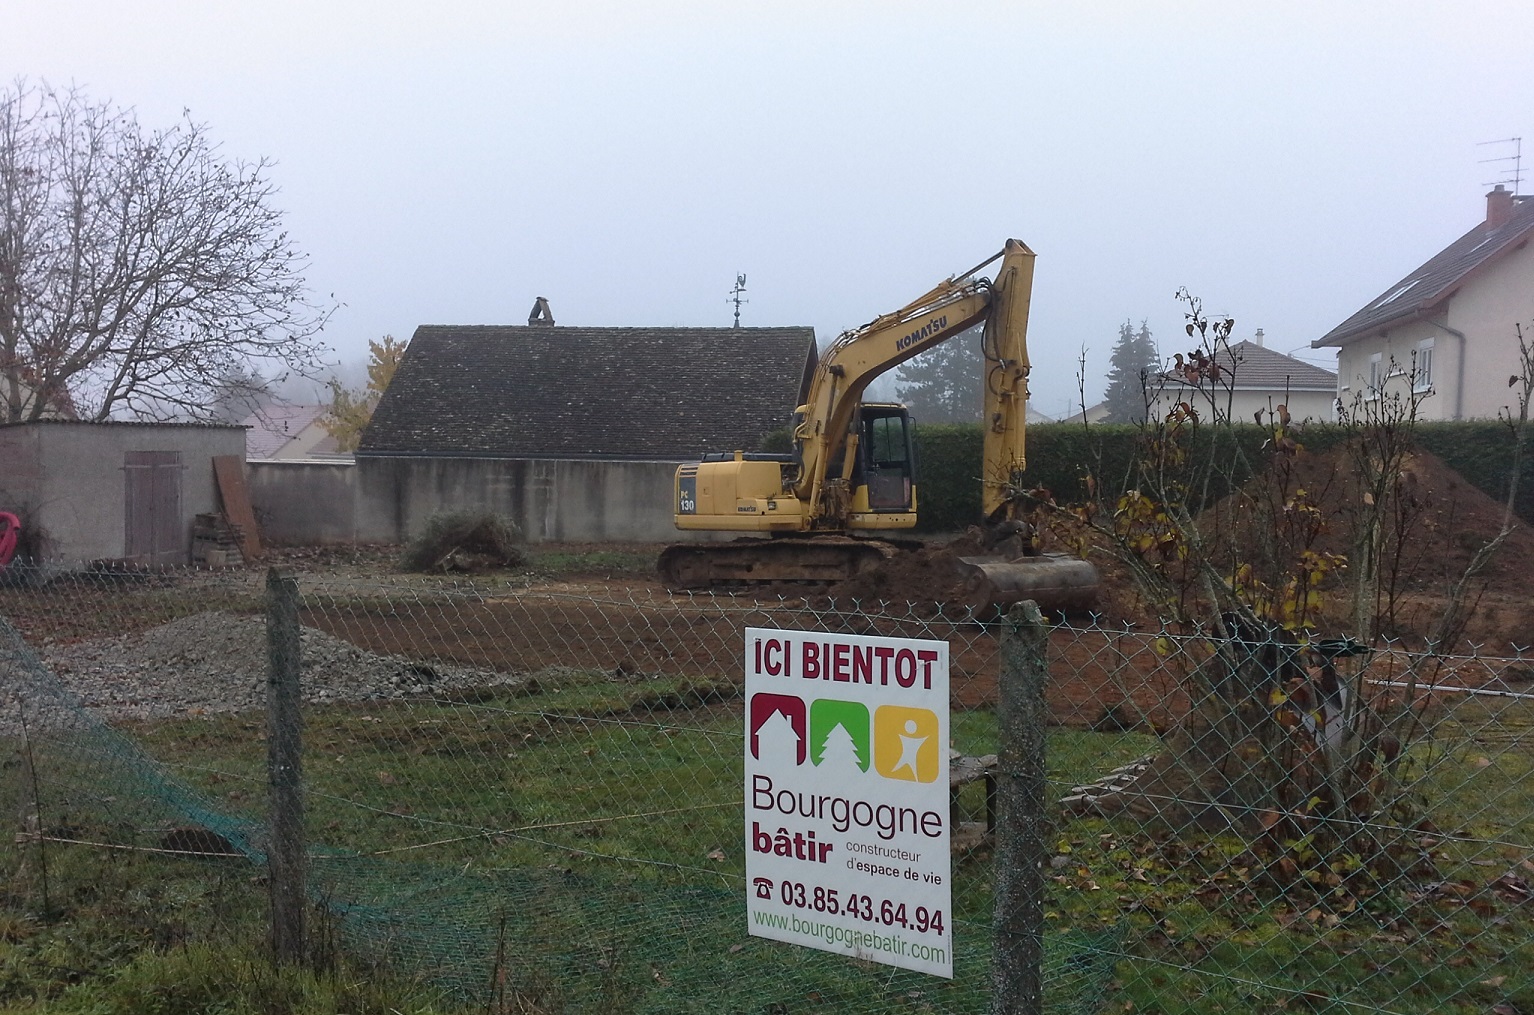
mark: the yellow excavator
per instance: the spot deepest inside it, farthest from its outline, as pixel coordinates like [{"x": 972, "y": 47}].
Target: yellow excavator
[{"x": 852, "y": 472}]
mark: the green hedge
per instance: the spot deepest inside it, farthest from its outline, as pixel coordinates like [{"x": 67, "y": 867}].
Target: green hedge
[
  {"x": 1061, "y": 454},
  {"x": 1482, "y": 452}
]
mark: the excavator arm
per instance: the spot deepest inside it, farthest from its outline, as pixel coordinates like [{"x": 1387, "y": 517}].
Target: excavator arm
[{"x": 825, "y": 431}]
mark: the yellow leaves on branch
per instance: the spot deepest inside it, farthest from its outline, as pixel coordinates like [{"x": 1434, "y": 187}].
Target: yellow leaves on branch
[
  {"x": 350, "y": 412},
  {"x": 1297, "y": 605},
  {"x": 1142, "y": 526}
]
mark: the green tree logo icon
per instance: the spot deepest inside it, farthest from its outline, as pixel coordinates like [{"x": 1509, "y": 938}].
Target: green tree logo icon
[{"x": 839, "y": 737}]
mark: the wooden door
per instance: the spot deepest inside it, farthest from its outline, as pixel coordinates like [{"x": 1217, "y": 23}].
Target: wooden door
[{"x": 155, "y": 534}]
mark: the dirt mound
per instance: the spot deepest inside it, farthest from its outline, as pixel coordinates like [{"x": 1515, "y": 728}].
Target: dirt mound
[
  {"x": 1435, "y": 523},
  {"x": 1445, "y": 521}
]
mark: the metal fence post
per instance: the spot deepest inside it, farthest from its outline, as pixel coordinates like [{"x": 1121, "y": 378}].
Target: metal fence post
[
  {"x": 284, "y": 768},
  {"x": 1017, "y": 960}
]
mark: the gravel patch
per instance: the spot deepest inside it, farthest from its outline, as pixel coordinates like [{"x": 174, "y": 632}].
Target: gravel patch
[{"x": 216, "y": 662}]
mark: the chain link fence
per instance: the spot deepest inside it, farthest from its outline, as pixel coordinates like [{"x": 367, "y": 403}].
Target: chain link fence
[{"x": 534, "y": 798}]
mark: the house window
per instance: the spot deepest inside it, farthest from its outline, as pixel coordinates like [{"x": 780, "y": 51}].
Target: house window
[
  {"x": 1376, "y": 375},
  {"x": 1423, "y": 381}
]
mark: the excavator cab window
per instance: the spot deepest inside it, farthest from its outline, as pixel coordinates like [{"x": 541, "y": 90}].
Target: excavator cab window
[{"x": 886, "y": 457}]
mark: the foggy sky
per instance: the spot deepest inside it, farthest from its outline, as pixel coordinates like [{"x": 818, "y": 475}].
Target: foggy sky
[{"x": 446, "y": 163}]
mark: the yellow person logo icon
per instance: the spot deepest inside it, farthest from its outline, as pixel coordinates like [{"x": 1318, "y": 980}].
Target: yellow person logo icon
[{"x": 906, "y": 743}]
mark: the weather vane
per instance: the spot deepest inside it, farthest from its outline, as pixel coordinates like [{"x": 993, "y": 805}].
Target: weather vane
[{"x": 737, "y": 296}]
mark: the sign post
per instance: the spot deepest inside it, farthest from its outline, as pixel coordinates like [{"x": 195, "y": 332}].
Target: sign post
[{"x": 846, "y": 796}]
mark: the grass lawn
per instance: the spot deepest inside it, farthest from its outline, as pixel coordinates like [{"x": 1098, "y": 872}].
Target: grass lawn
[{"x": 579, "y": 844}]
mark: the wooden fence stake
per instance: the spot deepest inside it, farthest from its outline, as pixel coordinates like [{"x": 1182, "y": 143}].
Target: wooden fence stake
[
  {"x": 284, "y": 768},
  {"x": 1017, "y": 960}
]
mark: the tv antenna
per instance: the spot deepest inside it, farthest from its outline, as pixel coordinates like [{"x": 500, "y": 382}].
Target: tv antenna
[
  {"x": 737, "y": 296},
  {"x": 1516, "y": 158}
]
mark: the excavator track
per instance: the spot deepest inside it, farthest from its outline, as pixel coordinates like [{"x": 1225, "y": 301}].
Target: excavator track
[
  {"x": 1056, "y": 581},
  {"x": 812, "y": 560}
]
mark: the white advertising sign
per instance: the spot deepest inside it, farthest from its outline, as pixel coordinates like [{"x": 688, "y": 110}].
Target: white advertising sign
[{"x": 846, "y": 796}]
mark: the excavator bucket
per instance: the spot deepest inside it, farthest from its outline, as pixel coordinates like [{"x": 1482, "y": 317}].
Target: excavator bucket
[{"x": 1056, "y": 581}]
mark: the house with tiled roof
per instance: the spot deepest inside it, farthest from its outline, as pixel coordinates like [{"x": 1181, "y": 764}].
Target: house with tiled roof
[
  {"x": 1252, "y": 381},
  {"x": 573, "y": 433},
  {"x": 284, "y": 432},
  {"x": 574, "y": 393},
  {"x": 1446, "y": 331}
]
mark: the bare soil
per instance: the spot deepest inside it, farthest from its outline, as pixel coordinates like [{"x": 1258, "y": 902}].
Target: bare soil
[
  {"x": 625, "y": 623},
  {"x": 1443, "y": 523},
  {"x": 596, "y": 607},
  {"x": 1436, "y": 525}
]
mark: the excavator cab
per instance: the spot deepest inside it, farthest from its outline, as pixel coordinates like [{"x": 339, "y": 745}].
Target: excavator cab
[{"x": 884, "y": 477}]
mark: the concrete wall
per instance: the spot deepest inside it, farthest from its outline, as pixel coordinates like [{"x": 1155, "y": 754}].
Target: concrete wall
[
  {"x": 66, "y": 480},
  {"x": 304, "y": 503},
  {"x": 550, "y": 500},
  {"x": 389, "y": 500}
]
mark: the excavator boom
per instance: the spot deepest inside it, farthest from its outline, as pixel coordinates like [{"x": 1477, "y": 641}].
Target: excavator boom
[{"x": 946, "y": 311}]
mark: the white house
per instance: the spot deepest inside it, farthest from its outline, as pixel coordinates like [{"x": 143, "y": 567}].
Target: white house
[
  {"x": 778, "y": 740},
  {"x": 1447, "y": 330},
  {"x": 1252, "y": 381},
  {"x": 282, "y": 432}
]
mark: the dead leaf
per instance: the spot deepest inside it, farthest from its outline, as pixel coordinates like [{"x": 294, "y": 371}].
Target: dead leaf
[
  {"x": 717, "y": 854},
  {"x": 385, "y": 779}
]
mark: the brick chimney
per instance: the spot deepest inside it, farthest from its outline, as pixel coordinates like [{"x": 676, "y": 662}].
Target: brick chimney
[{"x": 1499, "y": 207}]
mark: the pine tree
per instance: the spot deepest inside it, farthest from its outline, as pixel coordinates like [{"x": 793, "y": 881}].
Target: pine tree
[
  {"x": 1135, "y": 364},
  {"x": 944, "y": 384}
]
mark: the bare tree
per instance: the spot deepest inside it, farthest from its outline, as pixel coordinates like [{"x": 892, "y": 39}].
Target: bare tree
[
  {"x": 239, "y": 394},
  {"x": 1308, "y": 730},
  {"x": 137, "y": 268}
]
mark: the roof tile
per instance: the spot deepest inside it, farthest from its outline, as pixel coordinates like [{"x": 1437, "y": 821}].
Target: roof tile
[
  {"x": 1438, "y": 277},
  {"x": 1258, "y": 367},
  {"x": 562, "y": 392}
]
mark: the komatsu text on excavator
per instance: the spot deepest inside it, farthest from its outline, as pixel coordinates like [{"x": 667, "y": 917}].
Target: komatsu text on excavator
[{"x": 852, "y": 472}]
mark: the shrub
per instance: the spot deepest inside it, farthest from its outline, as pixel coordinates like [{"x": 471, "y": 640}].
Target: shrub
[{"x": 465, "y": 541}]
